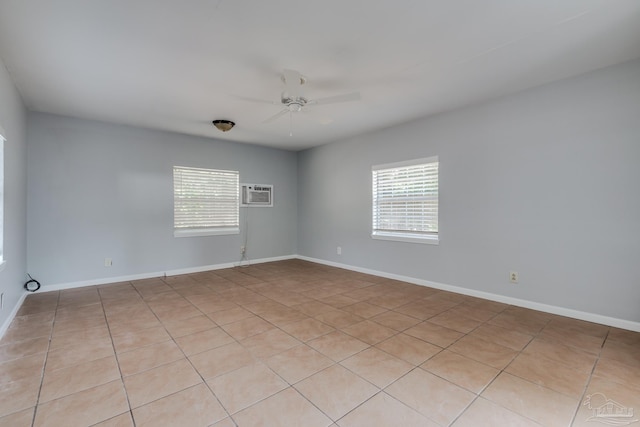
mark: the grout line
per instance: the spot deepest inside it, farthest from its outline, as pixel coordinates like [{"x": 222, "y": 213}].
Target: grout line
[
  {"x": 46, "y": 357},
  {"x": 588, "y": 383},
  {"x": 115, "y": 354}
]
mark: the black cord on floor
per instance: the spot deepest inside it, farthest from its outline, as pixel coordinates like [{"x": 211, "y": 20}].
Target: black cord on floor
[{"x": 32, "y": 285}]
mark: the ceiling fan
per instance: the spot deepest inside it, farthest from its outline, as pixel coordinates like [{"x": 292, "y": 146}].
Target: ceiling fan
[{"x": 293, "y": 100}]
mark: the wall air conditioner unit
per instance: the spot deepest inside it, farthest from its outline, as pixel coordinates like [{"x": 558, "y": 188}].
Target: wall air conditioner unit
[{"x": 257, "y": 195}]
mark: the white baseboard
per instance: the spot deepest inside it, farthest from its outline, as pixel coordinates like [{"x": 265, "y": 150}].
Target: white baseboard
[
  {"x": 12, "y": 315},
  {"x": 562, "y": 311},
  {"x": 177, "y": 272}
]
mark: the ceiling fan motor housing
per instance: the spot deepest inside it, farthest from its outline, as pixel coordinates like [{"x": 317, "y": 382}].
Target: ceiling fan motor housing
[{"x": 294, "y": 104}]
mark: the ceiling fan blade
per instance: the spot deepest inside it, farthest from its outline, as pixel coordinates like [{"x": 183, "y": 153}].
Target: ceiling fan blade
[
  {"x": 292, "y": 81},
  {"x": 347, "y": 97},
  {"x": 276, "y": 116},
  {"x": 257, "y": 100}
]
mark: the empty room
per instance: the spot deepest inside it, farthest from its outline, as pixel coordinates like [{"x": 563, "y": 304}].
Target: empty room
[{"x": 293, "y": 213}]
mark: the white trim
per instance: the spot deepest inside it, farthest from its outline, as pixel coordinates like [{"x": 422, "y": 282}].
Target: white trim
[
  {"x": 402, "y": 164},
  {"x": 562, "y": 311},
  {"x": 405, "y": 237},
  {"x": 12, "y": 315},
  {"x": 177, "y": 272},
  {"x": 190, "y": 232},
  {"x": 3, "y": 262}
]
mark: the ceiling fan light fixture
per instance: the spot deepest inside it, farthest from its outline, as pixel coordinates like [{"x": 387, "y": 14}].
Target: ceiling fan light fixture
[
  {"x": 294, "y": 107},
  {"x": 224, "y": 125}
]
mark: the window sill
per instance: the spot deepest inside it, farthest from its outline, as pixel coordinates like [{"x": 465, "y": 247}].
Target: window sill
[
  {"x": 399, "y": 237},
  {"x": 205, "y": 232}
]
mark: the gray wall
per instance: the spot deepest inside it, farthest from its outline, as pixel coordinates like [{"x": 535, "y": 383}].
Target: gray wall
[
  {"x": 545, "y": 182},
  {"x": 100, "y": 190},
  {"x": 13, "y": 120}
]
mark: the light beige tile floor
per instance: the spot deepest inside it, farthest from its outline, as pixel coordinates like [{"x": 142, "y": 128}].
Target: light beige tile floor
[{"x": 293, "y": 343}]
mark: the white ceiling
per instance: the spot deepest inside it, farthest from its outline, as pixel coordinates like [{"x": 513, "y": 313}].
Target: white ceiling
[{"x": 176, "y": 65}]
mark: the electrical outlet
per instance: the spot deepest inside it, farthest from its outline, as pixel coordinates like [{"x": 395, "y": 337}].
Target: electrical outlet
[
  {"x": 108, "y": 262},
  {"x": 339, "y": 250},
  {"x": 513, "y": 277},
  {"x": 243, "y": 250}
]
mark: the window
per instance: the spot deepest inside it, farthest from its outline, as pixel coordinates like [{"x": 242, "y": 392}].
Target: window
[
  {"x": 2, "y": 140},
  {"x": 405, "y": 201},
  {"x": 205, "y": 202}
]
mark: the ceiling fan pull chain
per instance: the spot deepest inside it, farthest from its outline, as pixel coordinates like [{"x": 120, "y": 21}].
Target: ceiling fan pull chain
[{"x": 290, "y": 123}]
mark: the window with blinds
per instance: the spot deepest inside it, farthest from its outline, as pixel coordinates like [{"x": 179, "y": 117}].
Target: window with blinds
[
  {"x": 206, "y": 202},
  {"x": 405, "y": 201}
]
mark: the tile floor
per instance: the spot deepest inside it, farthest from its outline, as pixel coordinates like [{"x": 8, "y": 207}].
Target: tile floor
[{"x": 293, "y": 343}]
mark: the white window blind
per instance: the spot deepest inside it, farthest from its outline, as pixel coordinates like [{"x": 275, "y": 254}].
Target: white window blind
[
  {"x": 405, "y": 200},
  {"x": 205, "y": 201}
]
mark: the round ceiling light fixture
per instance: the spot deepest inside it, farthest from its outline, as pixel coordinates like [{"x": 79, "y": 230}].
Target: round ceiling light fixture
[{"x": 223, "y": 125}]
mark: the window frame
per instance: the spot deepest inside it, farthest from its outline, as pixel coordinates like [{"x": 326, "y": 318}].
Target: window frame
[
  {"x": 3, "y": 140},
  {"x": 207, "y": 230},
  {"x": 403, "y": 235}
]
